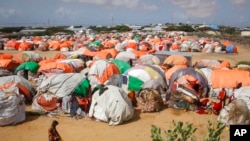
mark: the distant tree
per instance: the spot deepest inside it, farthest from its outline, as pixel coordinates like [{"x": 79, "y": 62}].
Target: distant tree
[
  {"x": 230, "y": 30},
  {"x": 11, "y": 29},
  {"x": 186, "y": 28}
]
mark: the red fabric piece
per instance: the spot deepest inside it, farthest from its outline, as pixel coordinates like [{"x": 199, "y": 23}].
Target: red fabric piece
[
  {"x": 222, "y": 95},
  {"x": 204, "y": 101},
  {"x": 217, "y": 106}
]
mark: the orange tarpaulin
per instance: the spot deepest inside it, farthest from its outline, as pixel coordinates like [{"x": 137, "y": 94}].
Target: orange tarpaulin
[
  {"x": 229, "y": 78},
  {"x": 226, "y": 43},
  {"x": 54, "y": 45},
  {"x": 13, "y": 44},
  {"x": 175, "y": 46},
  {"x": 46, "y": 61},
  {"x": 48, "y": 105},
  {"x": 176, "y": 60},
  {"x": 6, "y": 56},
  {"x": 87, "y": 52},
  {"x": 66, "y": 44},
  {"x": 108, "y": 72},
  {"x": 170, "y": 71},
  {"x": 56, "y": 65},
  {"x": 21, "y": 87},
  {"x": 8, "y": 64},
  {"x": 131, "y": 44},
  {"x": 112, "y": 51},
  {"x": 138, "y": 53},
  {"x": 60, "y": 56},
  {"x": 108, "y": 44},
  {"x": 102, "y": 55},
  {"x": 25, "y": 46}
]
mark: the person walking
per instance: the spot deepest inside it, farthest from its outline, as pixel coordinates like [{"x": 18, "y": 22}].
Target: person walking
[{"x": 53, "y": 133}]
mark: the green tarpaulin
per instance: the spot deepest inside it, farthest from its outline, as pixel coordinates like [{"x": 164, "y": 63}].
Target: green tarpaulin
[
  {"x": 134, "y": 83},
  {"x": 95, "y": 44},
  {"x": 122, "y": 65},
  {"x": 82, "y": 88},
  {"x": 30, "y": 66}
]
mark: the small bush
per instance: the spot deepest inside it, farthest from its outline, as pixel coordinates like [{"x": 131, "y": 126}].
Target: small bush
[
  {"x": 185, "y": 132},
  {"x": 214, "y": 132},
  {"x": 180, "y": 132}
]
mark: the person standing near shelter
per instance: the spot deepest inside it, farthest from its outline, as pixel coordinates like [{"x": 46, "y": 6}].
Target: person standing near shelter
[
  {"x": 53, "y": 133},
  {"x": 223, "y": 96}
]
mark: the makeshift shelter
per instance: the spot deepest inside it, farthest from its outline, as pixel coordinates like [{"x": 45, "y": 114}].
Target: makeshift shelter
[
  {"x": 113, "y": 52},
  {"x": 55, "y": 67},
  {"x": 30, "y": 66},
  {"x": 54, "y": 45},
  {"x": 76, "y": 64},
  {"x": 5, "y": 56},
  {"x": 207, "y": 63},
  {"x": 108, "y": 44},
  {"x": 61, "y": 84},
  {"x": 148, "y": 59},
  {"x": 24, "y": 85},
  {"x": 176, "y": 60},
  {"x": 111, "y": 104},
  {"x": 149, "y": 100},
  {"x": 65, "y": 45},
  {"x": 231, "y": 49},
  {"x": 24, "y": 46},
  {"x": 44, "y": 102},
  {"x": 95, "y": 46},
  {"x": 229, "y": 78},
  {"x": 190, "y": 83},
  {"x": 173, "y": 69},
  {"x": 145, "y": 46},
  {"x": 27, "y": 69},
  {"x": 142, "y": 77},
  {"x": 27, "y": 56},
  {"x": 8, "y": 64},
  {"x": 43, "y": 46},
  {"x": 126, "y": 56},
  {"x": 102, "y": 55},
  {"x": 103, "y": 72},
  {"x": 132, "y": 44},
  {"x": 121, "y": 65},
  {"x": 206, "y": 72},
  {"x": 60, "y": 55},
  {"x": 12, "y": 109},
  {"x": 12, "y": 45},
  {"x": 5, "y": 72},
  {"x": 244, "y": 94},
  {"x": 235, "y": 113}
]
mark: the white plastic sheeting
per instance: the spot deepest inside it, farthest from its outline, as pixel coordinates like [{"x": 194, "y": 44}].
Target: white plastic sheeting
[
  {"x": 12, "y": 106},
  {"x": 244, "y": 94},
  {"x": 235, "y": 113},
  {"x": 112, "y": 106},
  {"x": 61, "y": 84},
  {"x": 18, "y": 79}
]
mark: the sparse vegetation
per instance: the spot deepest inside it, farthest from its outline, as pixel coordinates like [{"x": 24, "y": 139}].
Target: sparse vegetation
[
  {"x": 214, "y": 132},
  {"x": 185, "y": 132}
]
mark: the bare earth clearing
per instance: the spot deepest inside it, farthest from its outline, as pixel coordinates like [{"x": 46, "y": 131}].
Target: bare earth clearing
[{"x": 35, "y": 127}]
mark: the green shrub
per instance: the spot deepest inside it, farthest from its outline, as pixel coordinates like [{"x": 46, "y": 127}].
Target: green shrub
[
  {"x": 156, "y": 133},
  {"x": 185, "y": 132},
  {"x": 180, "y": 132},
  {"x": 214, "y": 132}
]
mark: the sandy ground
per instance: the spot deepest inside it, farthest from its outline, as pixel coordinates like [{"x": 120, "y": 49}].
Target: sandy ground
[{"x": 35, "y": 127}]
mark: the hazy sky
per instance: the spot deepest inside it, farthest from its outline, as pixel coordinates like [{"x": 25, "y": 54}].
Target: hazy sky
[{"x": 101, "y": 12}]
